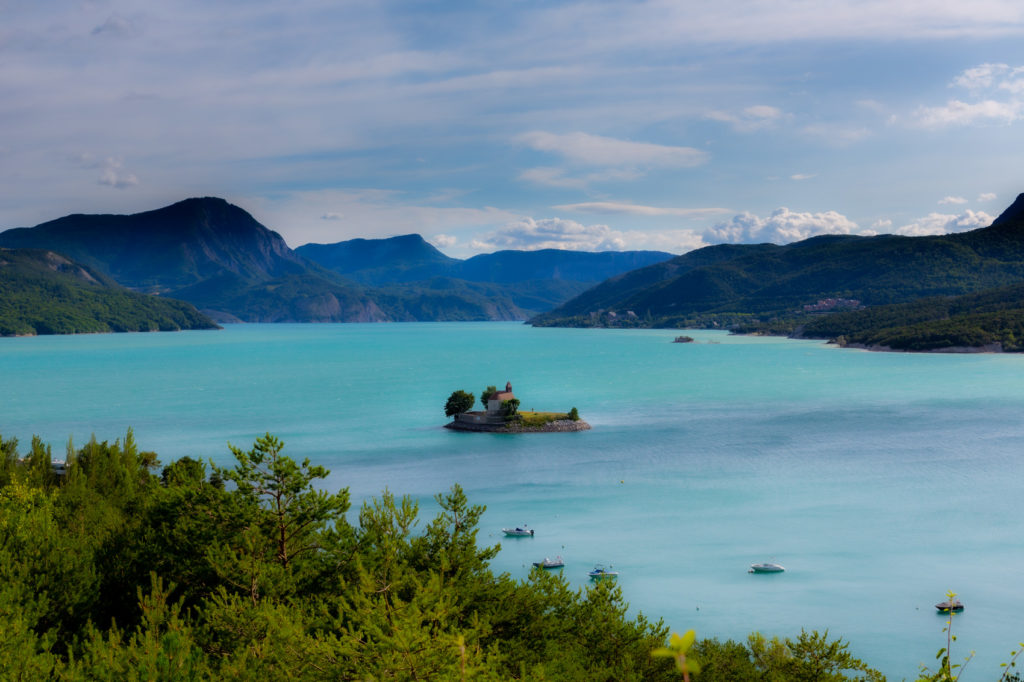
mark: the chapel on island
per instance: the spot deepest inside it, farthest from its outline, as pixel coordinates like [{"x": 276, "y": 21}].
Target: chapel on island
[
  {"x": 501, "y": 414},
  {"x": 494, "y": 402},
  {"x": 494, "y": 415}
]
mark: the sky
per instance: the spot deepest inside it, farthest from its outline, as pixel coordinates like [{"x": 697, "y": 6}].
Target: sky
[{"x": 519, "y": 124}]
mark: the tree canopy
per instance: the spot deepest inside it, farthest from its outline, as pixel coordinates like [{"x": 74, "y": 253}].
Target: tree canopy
[{"x": 458, "y": 402}]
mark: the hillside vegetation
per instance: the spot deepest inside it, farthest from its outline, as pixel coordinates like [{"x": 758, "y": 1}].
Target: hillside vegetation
[
  {"x": 42, "y": 292},
  {"x": 120, "y": 569},
  {"x": 920, "y": 293},
  {"x": 218, "y": 257}
]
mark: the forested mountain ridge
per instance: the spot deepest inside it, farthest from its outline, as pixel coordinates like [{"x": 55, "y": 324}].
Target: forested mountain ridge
[
  {"x": 169, "y": 248},
  {"x": 765, "y": 287},
  {"x": 43, "y": 292},
  {"x": 218, "y": 257},
  {"x": 409, "y": 258}
]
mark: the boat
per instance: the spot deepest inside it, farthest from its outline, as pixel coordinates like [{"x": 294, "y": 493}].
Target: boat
[
  {"x": 766, "y": 567},
  {"x": 550, "y": 563},
  {"x": 518, "y": 532},
  {"x": 600, "y": 573},
  {"x": 955, "y": 606}
]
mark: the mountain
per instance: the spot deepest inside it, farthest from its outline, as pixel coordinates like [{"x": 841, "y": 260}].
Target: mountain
[
  {"x": 989, "y": 319},
  {"x": 556, "y": 264},
  {"x": 766, "y": 280},
  {"x": 167, "y": 249},
  {"x": 43, "y": 292},
  {"x": 218, "y": 257},
  {"x": 523, "y": 282},
  {"x": 410, "y": 258}
]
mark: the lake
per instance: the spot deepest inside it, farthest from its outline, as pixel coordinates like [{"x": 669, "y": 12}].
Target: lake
[{"x": 880, "y": 480}]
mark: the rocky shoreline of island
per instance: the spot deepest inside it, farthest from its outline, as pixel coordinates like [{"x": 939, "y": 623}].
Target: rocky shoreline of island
[{"x": 558, "y": 426}]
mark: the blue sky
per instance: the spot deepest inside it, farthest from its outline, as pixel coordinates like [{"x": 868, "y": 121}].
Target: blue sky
[{"x": 519, "y": 124}]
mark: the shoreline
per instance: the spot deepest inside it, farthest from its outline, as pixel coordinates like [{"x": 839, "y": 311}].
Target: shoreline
[{"x": 558, "y": 426}]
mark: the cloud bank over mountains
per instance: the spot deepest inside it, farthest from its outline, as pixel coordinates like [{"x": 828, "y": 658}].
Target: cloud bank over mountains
[
  {"x": 591, "y": 125},
  {"x": 783, "y": 226}
]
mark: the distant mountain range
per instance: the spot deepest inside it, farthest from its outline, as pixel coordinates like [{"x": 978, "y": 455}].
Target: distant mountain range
[
  {"x": 219, "y": 258},
  {"x": 914, "y": 293},
  {"x": 902, "y": 281},
  {"x": 43, "y": 292},
  {"x": 410, "y": 258}
]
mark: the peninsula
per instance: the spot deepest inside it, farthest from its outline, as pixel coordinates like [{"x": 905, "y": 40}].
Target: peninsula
[{"x": 502, "y": 414}]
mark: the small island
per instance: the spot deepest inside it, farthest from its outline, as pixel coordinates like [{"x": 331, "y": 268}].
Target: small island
[{"x": 502, "y": 414}]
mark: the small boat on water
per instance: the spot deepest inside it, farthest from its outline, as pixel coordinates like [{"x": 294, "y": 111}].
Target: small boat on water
[
  {"x": 518, "y": 532},
  {"x": 766, "y": 567},
  {"x": 955, "y": 606},
  {"x": 550, "y": 563},
  {"x": 601, "y": 573}
]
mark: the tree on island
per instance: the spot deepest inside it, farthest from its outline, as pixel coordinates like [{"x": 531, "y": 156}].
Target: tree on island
[
  {"x": 510, "y": 408},
  {"x": 458, "y": 402},
  {"x": 486, "y": 395}
]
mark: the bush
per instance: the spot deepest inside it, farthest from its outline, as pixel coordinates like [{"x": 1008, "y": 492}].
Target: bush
[{"x": 458, "y": 402}]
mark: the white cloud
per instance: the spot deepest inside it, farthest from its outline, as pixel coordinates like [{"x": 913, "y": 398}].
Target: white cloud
[
  {"x": 443, "y": 241},
  {"x": 332, "y": 215},
  {"x": 552, "y": 177},
  {"x": 802, "y": 176},
  {"x": 986, "y": 196},
  {"x": 781, "y": 227},
  {"x": 596, "y": 150},
  {"x": 621, "y": 208},
  {"x": 995, "y": 89},
  {"x": 960, "y": 113},
  {"x": 980, "y": 77},
  {"x": 749, "y": 119},
  {"x": 952, "y": 200},
  {"x": 529, "y": 234},
  {"x": 112, "y": 175},
  {"x": 940, "y": 223},
  {"x": 784, "y": 226}
]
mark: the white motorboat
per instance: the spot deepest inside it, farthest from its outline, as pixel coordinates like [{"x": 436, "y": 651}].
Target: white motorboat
[
  {"x": 550, "y": 563},
  {"x": 766, "y": 567},
  {"x": 518, "y": 532},
  {"x": 601, "y": 573}
]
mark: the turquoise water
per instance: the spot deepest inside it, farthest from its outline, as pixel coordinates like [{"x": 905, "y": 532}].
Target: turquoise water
[{"x": 879, "y": 480}]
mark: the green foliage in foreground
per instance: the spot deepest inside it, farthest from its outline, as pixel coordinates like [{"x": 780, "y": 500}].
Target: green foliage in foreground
[
  {"x": 251, "y": 572},
  {"x": 114, "y": 572},
  {"x": 44, "y": 293}
]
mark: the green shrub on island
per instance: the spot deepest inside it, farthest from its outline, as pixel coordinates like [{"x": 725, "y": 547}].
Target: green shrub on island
[{"x": 510, "y": 408}]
